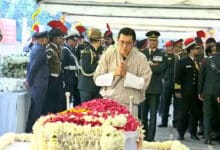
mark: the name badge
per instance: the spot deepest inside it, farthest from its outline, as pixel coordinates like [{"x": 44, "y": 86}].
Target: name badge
[
  {"x": 157, "y": 58},
  {"x": 189, "y": 66}
]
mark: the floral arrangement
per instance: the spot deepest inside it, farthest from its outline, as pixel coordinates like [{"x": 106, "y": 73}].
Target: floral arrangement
[
  {"x": 98, "y": 112},
  {"x": 14, "y": 65},
  {"x": 99, "y": 124},
  {"x": 167, "y": 145},
  {"x": 10, "y": 138},
  {"x": 11, "y": 85}
]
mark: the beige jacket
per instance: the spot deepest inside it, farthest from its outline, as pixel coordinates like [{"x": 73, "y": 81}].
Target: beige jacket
[{"x": 136, "y": 64}]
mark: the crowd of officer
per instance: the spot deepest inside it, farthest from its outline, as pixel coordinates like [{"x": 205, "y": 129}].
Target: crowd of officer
[
  {"x": 191, "y": 84},
  {"x": 186, "y": 74},
  {"x": 62, "y": 62}
]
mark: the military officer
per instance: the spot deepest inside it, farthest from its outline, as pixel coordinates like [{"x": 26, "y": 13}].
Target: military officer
[
  {"x": 179, "y": 54},
  {"x": 53, "y": 50},
  {"x": 200, "y": 59},
  {"x": 89, "y": 61},
  {"x": 108, "y": 37},
  {"x": 209, "y": 86},
  {"x": 81, "y": 46},
  {"x": 210, "y": 41},
  {"x": 186, "y": 78},
  {"x": 37, "y": 78},
  {"x": 168, "y": 87},
  {"x": 158, "y": 65},
  {"x": 70, "y": 65}
]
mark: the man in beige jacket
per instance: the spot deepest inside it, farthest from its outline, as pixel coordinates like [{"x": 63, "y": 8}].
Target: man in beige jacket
[{"x": 124, "y": 72}]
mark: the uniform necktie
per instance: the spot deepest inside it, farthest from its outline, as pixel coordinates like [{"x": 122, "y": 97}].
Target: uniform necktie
[{"x": 196, "y": 64}]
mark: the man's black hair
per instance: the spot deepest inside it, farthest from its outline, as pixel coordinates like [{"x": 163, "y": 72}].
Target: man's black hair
[
  {"x": 210, "y": 40},
  {"x": 127, "y": 31}
]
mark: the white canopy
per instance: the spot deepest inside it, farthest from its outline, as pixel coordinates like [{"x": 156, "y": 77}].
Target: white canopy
[{"x": 182, "y": 16}]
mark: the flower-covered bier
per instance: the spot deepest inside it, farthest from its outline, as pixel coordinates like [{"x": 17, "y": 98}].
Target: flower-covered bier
[{"x": 98, "y": 124}]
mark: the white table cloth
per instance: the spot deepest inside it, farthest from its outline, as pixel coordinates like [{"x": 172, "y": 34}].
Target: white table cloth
[{"x": 14, "y": 108}]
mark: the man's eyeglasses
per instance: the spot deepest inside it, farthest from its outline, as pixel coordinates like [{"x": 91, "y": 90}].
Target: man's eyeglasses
[{"x": 122, "y": 43}]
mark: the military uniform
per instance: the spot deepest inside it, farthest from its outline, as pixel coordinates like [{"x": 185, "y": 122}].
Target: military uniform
[
  {"x": 157, "y": 61},
  {"x": 157, "y": 64},
  {"x": 178, "y": 55},
  {"x": 176, "y": 99},
  {"x": 209, "y": 86},
  {"x": 89, "y": 61},
  {"x": 53, "y": 103},
  {"x": 70, "y": 66},
  {"x": 187, "y": 77},
  {"x": 168, "y": 88},
  {"x": 80, "y": 48},
  {"x": 37, "y": 78}
]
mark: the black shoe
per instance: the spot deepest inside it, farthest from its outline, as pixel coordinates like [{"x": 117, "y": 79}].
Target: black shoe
[
  {"x": 181, "y": 138},
  {"x": 162, "y": 125},
  {"x": 194, "y": 137},
  {"x": 208, "y": 142}
]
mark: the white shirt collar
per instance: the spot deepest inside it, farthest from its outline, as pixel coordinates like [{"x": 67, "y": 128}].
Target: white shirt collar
[{"x": 152, "y": 50}]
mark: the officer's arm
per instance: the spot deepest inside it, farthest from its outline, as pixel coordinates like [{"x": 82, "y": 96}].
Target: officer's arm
[
  {"x": 166, "y": 65},
  {"x": 201, "y": 78},
  {"x": 28, "y": 69},
  {"x": 64, "y": 57},
  {"x": 50, "y": 53},
  {"x": 78, "y": 52},
  {"x": 178, "y": 76},
  {"x": 88, "y": 64},
  {"x": 159, "y": 69},
  {"x": 36, "y": 64}
]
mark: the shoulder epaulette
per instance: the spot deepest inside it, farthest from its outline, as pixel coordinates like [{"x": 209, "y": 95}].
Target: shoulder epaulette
[
  {"x": 53, "y": 45},
  {"x": 177, "y": 86},
  {"x": 85, "y": 51}
]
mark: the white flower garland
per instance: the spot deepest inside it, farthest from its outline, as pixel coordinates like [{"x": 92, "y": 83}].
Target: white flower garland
[
  {"x": 167, "y": 145},
  {"x": 54, "y": 136},
  {"x": 110, "y": 139},
  {"x": 68, "y": 136},
  {"x": 9, "y": 138}
]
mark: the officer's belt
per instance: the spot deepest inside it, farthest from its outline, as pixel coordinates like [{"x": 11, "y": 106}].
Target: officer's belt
[
  {"x": 70, "y": 68},
  {"x": 54, "y": 75}
]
